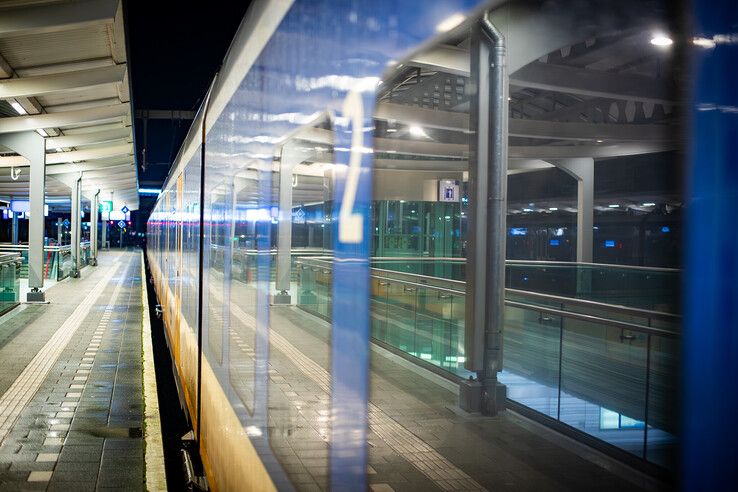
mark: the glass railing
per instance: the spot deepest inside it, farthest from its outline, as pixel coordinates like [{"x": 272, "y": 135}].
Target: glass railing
[
  {"x": 58, "y": 262},
  {"x": 10, "y": 265},
  {"x": 605, "y": 370}
]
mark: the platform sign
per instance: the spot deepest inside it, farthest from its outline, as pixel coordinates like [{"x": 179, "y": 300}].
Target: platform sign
[
  {"x": 121, "y": 224},
  {"x": 448, "y": 190},
  {"x": 125, "y": 209},
  {"x": 106, "y": 206},
  {"x": 66, "y": 222}
]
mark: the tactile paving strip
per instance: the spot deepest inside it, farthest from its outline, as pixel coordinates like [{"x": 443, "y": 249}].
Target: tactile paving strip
[{"x": 29, "y": 381}]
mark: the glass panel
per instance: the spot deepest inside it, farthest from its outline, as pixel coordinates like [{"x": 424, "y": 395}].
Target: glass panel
[
  {"x": 663, "y": 400},
  {"x": 531, "y": 362},
  {"x": 604, "y": 369}
]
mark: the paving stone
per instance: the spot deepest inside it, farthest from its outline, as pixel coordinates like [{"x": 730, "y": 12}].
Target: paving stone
[{"x": 60, "y": 436}]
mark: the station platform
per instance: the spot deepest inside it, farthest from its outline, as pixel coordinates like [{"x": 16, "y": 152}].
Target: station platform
[
  {"x": 418, "y": 437},
  {"x": 72, "y": 410}
]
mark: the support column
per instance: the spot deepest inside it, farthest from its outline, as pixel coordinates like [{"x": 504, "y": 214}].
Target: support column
[
  {"x": 32, "y": 146},
  {"x": 485, "y": 287},
  {"x": 76, "y": 224},
  {"x": 94, "y": 209},
  {"x": 104, "y": 236},
  {"x": 59, "y": 230},
  {"x": 284, "y": 234},
  {"x": 582, "y": 169},
  {"x": 15, "y": 227}
]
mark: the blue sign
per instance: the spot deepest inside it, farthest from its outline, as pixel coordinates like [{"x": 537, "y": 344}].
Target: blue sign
[
  {"x": 121, "y": 224},
  {"x": 124, "y": 209},
  {"x": 66, "y": 222}
]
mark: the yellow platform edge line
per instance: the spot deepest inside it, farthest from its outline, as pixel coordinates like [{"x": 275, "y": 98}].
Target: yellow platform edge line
[{"x": 156, "y": 479}]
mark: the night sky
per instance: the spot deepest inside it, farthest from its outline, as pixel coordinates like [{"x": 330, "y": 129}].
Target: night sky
[{"x": 175, "y": 48}]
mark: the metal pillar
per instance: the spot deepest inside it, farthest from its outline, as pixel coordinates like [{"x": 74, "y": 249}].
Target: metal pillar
[
  {"x": 284, "y": 232},
  {"x": 94, "y": 209},
  {"x": 15, "y": 227},
  {"x": 59, "y": 230},
  {"x": 582, "y": 169},
  {"x": 104, "y": 236},
  {"x": 76, "y": 224},
  {"x": 485, "y": 288},
  {"x": 32, "y": 146}
]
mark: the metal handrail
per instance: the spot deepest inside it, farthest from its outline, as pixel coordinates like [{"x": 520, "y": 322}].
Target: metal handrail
[
  {"x": 625, "y": 310},
  {"x": 575, "y": 302},
  {"x": 10, "y": 258},
  {"x": 631, "y": 311},
  {"x": 456, "y": 259},
  {"x": 595, "y": 319}
]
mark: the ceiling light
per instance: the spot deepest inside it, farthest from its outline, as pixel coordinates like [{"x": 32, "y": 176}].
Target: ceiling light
[
  {"x": 649, "y": 204},
  {"x": 661, "y": 40},
  {"x": 417, "y": 131},
  {"x": 613, "y": 205},
  {"x": 553, "y": 209},
  {"x": 19, "y": 109},
  {"x": 527, "y": 210},
  {"x": 42, "y": 132},
  {"x": 599, "y": 141},
  {"x": 450, "y": 22}
]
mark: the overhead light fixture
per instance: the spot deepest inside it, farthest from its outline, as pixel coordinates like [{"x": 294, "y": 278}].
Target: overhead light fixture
[
  {"x": 553, "y": 209},
  {"x": 649, "y": 204},
  {"x": 613, "y": 205},
  {"x": 450, "y": 22},
  {"x": 148, "y": 191},
  {"x": 417, "y": 131},
  {"x": 661, "y": 40},
  {"x": 527, "y": 210},
  {"x": 42, "y": 132},
  {"x": 599, "y": 141},
  {"x": 18, "y": 108}
]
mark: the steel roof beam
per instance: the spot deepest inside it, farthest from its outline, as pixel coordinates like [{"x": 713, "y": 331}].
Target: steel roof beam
[
  {"x": 115, "y": 112},
  {"x": 73, "y": 156},
  {"x": 88, "y": 138},
  {"x": 48, "y": 84},
  {"x": 456, "y": 121},
  {"x": 557, "y": 78}
]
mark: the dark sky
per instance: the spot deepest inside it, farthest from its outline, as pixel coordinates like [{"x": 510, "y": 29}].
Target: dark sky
[{"x": 175, "y": 48}]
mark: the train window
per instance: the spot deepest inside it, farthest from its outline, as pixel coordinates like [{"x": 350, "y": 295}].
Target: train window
[
  {"x": 247, "y": 214},
  {"x": 303, "y": 186},
  {"x": 421, "y": 161},
  {"x": 589, "y": 173},
  {"x": 219, "y": 250}
]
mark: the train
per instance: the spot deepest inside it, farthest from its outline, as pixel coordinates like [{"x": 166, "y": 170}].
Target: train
[{"x": 321, "y": 112}]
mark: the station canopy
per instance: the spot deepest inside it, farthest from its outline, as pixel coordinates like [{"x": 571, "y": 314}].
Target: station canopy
[{"x": 64, "y": 74}]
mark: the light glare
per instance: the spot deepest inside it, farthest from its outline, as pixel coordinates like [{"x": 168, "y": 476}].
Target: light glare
[
  {"x": 450, "y": 22},
  {"x": 417, "y": 131},
  {"x": 661, "y": 40},
  {"x": 19, "y": 109}
]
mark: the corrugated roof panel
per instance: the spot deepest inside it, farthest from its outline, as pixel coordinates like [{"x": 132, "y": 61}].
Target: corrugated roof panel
[
  {"x": 36, "y": 49},
  {"x": 106, "y": 91}
]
